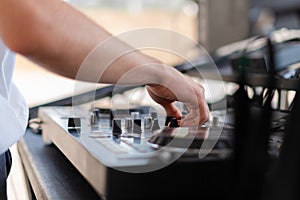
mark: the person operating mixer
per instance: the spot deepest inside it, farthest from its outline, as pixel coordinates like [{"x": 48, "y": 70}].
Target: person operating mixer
[{"x": 56, "y": 36}]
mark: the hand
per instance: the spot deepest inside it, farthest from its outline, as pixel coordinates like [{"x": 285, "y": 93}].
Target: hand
[{"x": 190, "y": 93}]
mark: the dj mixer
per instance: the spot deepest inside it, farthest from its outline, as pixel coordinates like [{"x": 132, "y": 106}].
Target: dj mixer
[
  {"x": 128, "y": 153},
  {"x": 136, "y": 149}
]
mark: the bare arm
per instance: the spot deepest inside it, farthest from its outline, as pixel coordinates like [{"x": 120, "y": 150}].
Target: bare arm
[{"x": 58, "y": 37}]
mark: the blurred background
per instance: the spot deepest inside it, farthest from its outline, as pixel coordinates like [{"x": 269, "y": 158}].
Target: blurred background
[
  {"x": 212, "y": 23},
  {"x": 117, "y": 16}
]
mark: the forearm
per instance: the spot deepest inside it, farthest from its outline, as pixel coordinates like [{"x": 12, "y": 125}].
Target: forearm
[{"x": 59, "y": 38}]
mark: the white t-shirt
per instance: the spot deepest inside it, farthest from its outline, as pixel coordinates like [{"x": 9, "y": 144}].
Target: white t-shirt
[{"x": 13, "y": 108}]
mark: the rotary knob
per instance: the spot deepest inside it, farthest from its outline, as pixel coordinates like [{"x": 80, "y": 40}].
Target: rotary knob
[
  {"x": 116, "y": 127},
  {"x": 137, "y": 125},
  {"x": 93, "y": 120},
  {"x": 147, "y": 122},
  {"x": 168, "y": 120},
  {"x": 153, "y": 115},
  {"x": 155, "y": 125},
  {"x": 128, "y": 123},
  {"x": 173, "y": 123}
]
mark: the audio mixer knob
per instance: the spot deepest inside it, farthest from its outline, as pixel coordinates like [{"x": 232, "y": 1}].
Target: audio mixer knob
[
  {"x": 215, "y": 121},
  {"x": 147, "y": 122},
  {"x": 116, "y": 127},
  {"x": 153, "y": 115},
  {"x": 173, "y": 123},
  {"x": 168, "y": 120},
  {"x": 128, "y": 123},
  {"x": 135, "y": 115},
  {"x": 74, "y": 123},
  {"x": 94, "y": 120},
  {"x": 137, "y": 123},
  {"x": 155, "y": 125}
]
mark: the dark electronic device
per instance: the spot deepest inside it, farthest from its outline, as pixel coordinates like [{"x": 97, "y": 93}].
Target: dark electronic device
[
  {"x": 122, "y": 155},
  {"x": 107, "y": 153},
  {"x": 137, "y": 154}
]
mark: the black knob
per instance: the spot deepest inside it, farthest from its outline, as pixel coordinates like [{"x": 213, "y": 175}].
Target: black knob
[
  {"x": 168, "y": 120},
  {"x": 74, "y": 123},
  {"x": 173, "y": 123},
  {"x": 137, "y": 125},
  {"x": 155, "y": 125},
  {"x": 116, "y": 127}
]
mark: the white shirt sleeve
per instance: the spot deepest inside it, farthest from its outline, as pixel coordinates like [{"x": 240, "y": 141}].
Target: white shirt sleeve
[
  {"x": 13, "y": 108},
  {"x": 14, "y": 115}
]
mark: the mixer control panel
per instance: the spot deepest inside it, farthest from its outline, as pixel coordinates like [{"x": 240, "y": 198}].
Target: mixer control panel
[{"x": 135, "y": 140}]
